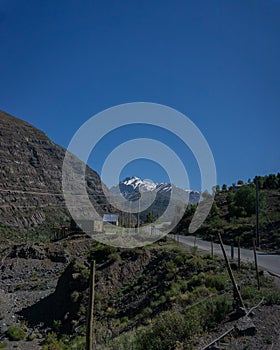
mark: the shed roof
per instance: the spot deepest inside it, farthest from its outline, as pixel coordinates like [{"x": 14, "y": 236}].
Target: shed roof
[{"x": 110, "y": 217}]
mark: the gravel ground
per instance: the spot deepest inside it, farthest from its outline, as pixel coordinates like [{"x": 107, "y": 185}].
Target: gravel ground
[{"x": 23, "y": 282}]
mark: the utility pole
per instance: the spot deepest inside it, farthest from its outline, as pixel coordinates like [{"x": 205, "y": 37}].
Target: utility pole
[
  {"x": 130, "y": 206},
  {"x": 257, "y": 214},
  {"x": 138, "y": 221},
  {"x": 90, "y": 316}
]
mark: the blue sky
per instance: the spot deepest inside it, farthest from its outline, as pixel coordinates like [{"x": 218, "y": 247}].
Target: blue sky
[{"x": 217, "y": 62}]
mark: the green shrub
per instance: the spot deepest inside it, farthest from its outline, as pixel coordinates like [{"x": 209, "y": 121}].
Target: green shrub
[
  {"x": 82, "y": 311},
  {"x": 101, "y": 252},
  {"x": 213, "y": 311},
  {"x": 248, "y": 292},
  {"x": 272, "y": 297},
  {"x": 223, "y": 305},
  {"x": 171, "y": 266},
  {"x": 194, "y": 250},
  {"x": 201, "y": 292},
  {"x": 114, "y": 256},
  {"x": 147, "y": 311},
  {"x": 217, "y": 282},
  {"x": 31, "y": 337},
  {"x": 166, "y": 329},
  {"x": 15, "y": 333},
  {"x": 174, "y": 291},
  {"x": 197, "y": 280},
  {"x": 57, "y": 325},
  {"x": 195, "y": 264},
  {"x": 52, "y": 343},
  {"x": 84, "y": 273},
  {"x": 179, "y": 259},
  {"x": 75, "y": 296},
  {"x": 78, "y": 343},
  {"x": 266, "y": 281}
]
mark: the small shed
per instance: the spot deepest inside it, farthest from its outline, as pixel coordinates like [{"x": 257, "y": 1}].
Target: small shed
[
  {"x": 98, "y": 226},
  {"x": 112, "y": 219},
  {"x": 87, "y": 226}
]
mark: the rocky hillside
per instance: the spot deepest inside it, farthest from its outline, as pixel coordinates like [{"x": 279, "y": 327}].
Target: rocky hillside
[{"x": 30, "y": 179}]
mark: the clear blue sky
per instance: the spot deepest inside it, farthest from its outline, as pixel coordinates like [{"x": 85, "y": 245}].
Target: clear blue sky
[{"x": 215, "y": 61}]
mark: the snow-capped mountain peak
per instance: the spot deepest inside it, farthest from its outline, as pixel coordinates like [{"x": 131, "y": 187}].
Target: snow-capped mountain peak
[
  {"x": 131, "y": 186},
  {"x": 138, "y": 184}
]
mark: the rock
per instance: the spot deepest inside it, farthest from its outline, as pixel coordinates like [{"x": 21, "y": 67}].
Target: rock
[
  {"x": 76, "y": 275},
  {"x": 59, "y": 256},
  {"x": 27, "y": 252},
  {"x": 3, "y": 328},
  {"x": 245, "y": 326},
  {"x": 240, "y": 312},
  {"x": 266, "y": 274},
  {"x": 234, "y": 266}
]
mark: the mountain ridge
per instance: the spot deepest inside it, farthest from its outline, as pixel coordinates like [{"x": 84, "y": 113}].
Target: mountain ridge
[
  {"x": 135, "y": 184},
  {"x": 31, "y": 197},
  {"x": 155, "y": 197}
]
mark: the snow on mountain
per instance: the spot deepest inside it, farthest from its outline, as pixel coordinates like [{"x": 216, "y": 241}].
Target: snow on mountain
[
  {"x": 139, "y": 184},
  {"x": 130, "y": 187}
]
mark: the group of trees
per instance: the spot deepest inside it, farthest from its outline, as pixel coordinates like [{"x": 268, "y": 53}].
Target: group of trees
[
  {"x": 269, "y": 182},
  {"x": 242, "y": 202},
  {"x": 233, "y": 213},
  {"x": 241, "y": 197},
  {"x": 236, "y": 201}
]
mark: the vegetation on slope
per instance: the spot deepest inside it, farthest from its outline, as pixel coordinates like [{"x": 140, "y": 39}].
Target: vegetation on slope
[
  {"x": 233, "y": 214},
  {"x": 162, "y": 297}
]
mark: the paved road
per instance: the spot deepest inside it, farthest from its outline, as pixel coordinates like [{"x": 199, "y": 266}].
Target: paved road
[{"x": 270, "y": 262}]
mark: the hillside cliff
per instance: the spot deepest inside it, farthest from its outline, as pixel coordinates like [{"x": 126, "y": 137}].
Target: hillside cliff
[{"x": 30, "y": 179}]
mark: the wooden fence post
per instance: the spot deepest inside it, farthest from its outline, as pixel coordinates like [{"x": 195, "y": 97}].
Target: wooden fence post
[
  {"x": 232, "y": 250},
  {"x": 239, "y": 260},
  {"x": 235, "y": 288}
]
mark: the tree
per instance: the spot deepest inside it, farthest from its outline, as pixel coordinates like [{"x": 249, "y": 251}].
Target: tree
[
  {"x": 217, "y": 189},
  {"x": 150, "y": 218},
  {"x": 260, "y": 180},
  {"x": 230, "y": 198},
  {"x": 271, "y": 182},
  {"x": 224, "y": 188},
  {"x": 244, "y": 201},
  {"x": 191, "y": 210},
  {"x": 214, "y": 209}
]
